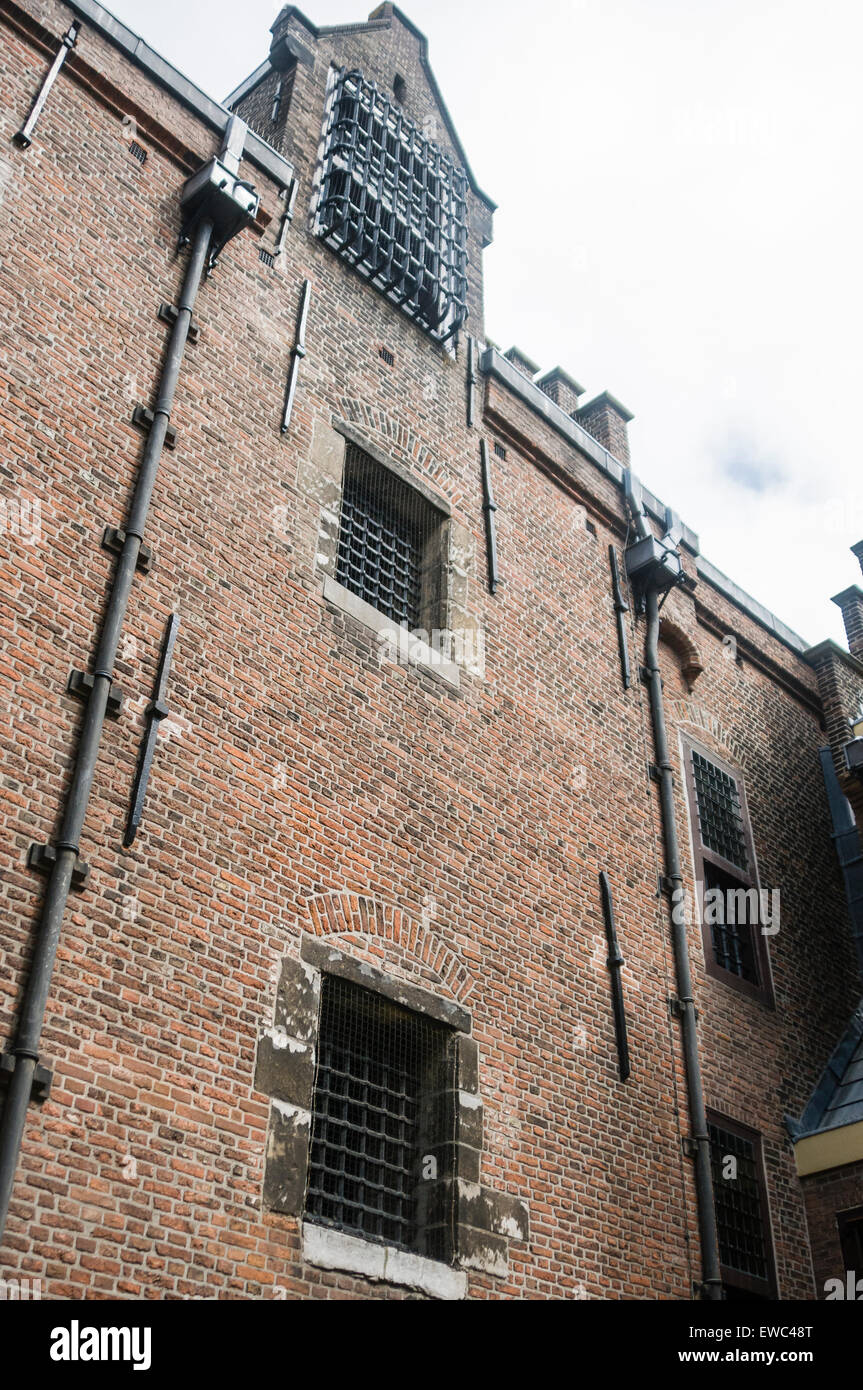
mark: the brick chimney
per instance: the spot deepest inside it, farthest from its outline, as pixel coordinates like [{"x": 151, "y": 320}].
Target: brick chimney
[
  {"x": 851, "y": 603},
  {"x": 858, "y": 551},
  {"x": 562, "y": 389},
  {"x": 606, "y": 419},
  {"x": 522, "y": 362}
]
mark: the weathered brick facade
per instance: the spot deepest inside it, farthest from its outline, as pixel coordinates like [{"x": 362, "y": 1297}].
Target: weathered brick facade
[{"x": 444, "y": 825}]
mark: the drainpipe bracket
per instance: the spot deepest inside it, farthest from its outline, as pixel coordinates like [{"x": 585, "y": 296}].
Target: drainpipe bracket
[
  {"x": 80, "y": 684},
  {"x": 114, "y": 538},
  {"x": 678, "y": 1009},
  {"x": 143, "y": 418},
  {"x": 42, "y": 858},
  {"x": 666, "y": 886},
  {"x": 42, "y": 1076},
  {"x": 689, "y": 1146},
  {"x": 168, "y": 313}
]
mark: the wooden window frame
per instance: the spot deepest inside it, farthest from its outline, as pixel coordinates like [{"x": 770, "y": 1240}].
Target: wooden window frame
[
  {"x": 746, "y": 1283},
  {"x": 746, "y": 879},
  {"x": 845, "y": 1222}
]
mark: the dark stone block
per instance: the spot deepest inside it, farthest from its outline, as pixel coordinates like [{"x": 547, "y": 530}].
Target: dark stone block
[
  {"x": 467, "y": 1064},
  {"x": 329, "y": 958},
  {"x": 469, "y": 1120},
  {"x": 481, "y": 1250},
  {"x": 286, "y": 1073},
  {"x": 287, "y": 1158},
  {"x": 298, "y": 1000}
]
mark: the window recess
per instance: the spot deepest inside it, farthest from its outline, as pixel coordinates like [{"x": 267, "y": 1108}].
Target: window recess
[
  {"x": 390, "y": 544},
  {"x": 394, "y": 205},
  {"x": 742, "y": 1214},
  {"x": 382, "y": 1112},
  {"x": 727, "y": 887}
]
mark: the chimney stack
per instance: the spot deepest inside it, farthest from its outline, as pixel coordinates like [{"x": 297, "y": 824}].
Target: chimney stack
[
  {"x": 562, "y": 389},
  {"x": 522, "y": 362},
  {"x": 851, "y": 603},
  {"x": 606, "y": 419}
]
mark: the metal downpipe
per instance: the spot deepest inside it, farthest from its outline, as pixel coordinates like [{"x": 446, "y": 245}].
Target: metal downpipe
[
  {"x": 711, "y": 1276},
  {"x": 29, "y": 1032}
]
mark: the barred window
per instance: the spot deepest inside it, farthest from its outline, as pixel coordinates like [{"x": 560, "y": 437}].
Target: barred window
[
  {"x": 727, "y": 885},
  {"x": 394, "y": 205},
  {"x": 719, "y": 815},
  {"x": 742, "y": 1220},
  {"x": 382, "y": 1115},
  {"x": 389, "y": 543}
]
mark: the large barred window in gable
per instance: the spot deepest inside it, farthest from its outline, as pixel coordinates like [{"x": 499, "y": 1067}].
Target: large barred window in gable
[{"x": 394, "y": 205}]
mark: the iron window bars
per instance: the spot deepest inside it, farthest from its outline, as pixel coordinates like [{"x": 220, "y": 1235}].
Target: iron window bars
[
  {"x": 734, "y": 944},
  {"x": 720, "y": 818},
  {"x": 383, "y": 1100},
  {"x": 385, "y": 529},
  {"x": 394, "y": 205},
  {"x": 742, "y": 1217}
]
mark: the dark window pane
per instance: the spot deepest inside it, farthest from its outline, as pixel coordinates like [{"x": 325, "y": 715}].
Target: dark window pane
[
  {"x": 383, "y": 1093},
  {"x": 383, "y": 531},
  {"x": 739, "y": 1215},
  {"x": 731, "y": 914},
  {"x": 720, "y": 816},
  {"x": 851, "y": 1240}
]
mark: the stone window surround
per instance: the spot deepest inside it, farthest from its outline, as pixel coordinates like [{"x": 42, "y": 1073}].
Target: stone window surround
[
  {"x": 320, "y": 477},
  {"x": 485, "y": 1220}
]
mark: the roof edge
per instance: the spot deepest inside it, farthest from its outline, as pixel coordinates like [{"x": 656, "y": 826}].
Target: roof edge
[
  {"x": 292, "y": 11},
  {"x": 211, "y": 112}
]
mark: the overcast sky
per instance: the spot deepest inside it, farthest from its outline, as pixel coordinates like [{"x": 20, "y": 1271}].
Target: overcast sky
[{"x": 679, "y": 223}]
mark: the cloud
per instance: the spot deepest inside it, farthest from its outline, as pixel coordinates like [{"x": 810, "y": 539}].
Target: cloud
[{"x": 744, "y": 462}]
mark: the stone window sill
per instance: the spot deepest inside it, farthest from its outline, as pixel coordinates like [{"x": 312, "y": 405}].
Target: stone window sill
[
  {"x": 329, "y": 1249},
  {"x": 402, "y": 648}
]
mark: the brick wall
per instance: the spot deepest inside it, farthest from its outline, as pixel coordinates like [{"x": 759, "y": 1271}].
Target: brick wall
[
  {"x": 839, "y": 1189},
  {"x": 302, "y": 772}
]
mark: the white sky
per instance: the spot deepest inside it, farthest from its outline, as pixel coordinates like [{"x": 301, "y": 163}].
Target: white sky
[{"x": 679, "y": 223}]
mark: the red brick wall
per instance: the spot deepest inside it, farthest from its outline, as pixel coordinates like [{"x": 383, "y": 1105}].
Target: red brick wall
[
  {"x": 839, "y": 1189},
  {"x": 300, "y": 767}
]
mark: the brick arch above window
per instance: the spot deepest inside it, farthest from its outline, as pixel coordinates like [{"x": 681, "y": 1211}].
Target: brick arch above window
[
  {"x": 694, "y": 719},
  {"x": 341, "y": 912},
  {"x": 395, "y": 435}
]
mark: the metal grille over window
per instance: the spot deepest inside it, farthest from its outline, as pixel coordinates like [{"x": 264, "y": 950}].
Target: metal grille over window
[
  {"x": 719, "y": 813},
  {"x": 740, "y": 1219},
  {"x": 385, "y": 529},
  {"x": 382, "y": 1113},
  {"x": 731, "y": 912},
  {"x": 394, "y": 205}
]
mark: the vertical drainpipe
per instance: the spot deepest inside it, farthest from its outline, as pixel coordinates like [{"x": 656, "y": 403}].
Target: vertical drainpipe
[
  {"x": 711, "y": 1276},
  {"x": 654, "y": 567},
  {"x": 67, "y": 849}
]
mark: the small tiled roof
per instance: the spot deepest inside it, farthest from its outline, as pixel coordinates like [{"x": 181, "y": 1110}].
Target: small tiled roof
[{"x": 838, "y": 1097}]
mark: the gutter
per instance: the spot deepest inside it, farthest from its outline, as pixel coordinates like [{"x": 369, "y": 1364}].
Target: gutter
[{"x": 216, "y": 116}]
